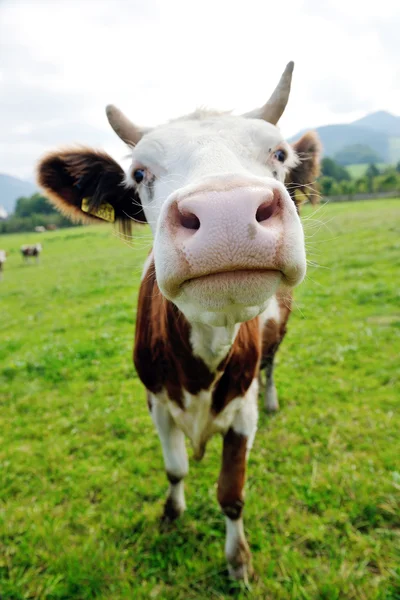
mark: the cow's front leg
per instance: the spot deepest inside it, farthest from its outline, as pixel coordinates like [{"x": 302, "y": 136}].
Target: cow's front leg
[
  {"x": 175, "y": 458},
  {"x": 271, "y": 396},
  {"x": 236, "y": 446}
]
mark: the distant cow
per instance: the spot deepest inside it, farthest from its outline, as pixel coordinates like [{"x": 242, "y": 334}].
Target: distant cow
[
  {"x": 217, "y": 190},
  {"x": 3, "y": 258},
  {"x": 32, "y": 250},
  {"x": 40, "y": 229}
]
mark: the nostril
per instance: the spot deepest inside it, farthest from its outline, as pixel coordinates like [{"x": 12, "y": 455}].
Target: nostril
[
  {"x": 268, "y": 208},
  {"x": 189, "y": 220},
  {"x": 265, "y": 211}
]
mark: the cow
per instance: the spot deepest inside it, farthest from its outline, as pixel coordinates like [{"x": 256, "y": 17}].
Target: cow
[
  {"x": 3, "y": 258},
  {"x": 31, "y": 250},
  {"x": 218, "y": 193}
]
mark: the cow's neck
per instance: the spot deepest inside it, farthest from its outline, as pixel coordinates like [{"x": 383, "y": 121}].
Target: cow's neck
[
  {"x": 173, "y": 355},
  {"x": 212, "y": 344}
]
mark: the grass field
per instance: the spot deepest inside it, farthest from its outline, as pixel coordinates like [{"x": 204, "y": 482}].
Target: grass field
[{"x": 82, "y": 480}]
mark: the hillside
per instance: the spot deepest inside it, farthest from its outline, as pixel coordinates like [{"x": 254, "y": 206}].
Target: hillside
[
  {"x": 380, "y": 121},
  {"x": 380, "y": 131},
  {"x": 12, "y": 188}
]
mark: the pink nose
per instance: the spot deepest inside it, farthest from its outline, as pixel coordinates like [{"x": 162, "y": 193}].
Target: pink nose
[
  {"x": 202, "y": 210},
  {"x": 237, "y": 228}
]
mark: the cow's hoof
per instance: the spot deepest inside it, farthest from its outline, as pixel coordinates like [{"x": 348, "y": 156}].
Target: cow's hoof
[
  {"x": 242, "y": 572},
  {"x": 171, "y": 511},
  {"x": 239, "y": 562}
]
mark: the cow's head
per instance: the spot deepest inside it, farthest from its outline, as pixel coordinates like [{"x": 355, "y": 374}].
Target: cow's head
[{"x": 212, "y": 188}]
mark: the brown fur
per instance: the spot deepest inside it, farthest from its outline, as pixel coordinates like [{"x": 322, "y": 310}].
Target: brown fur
[
  {"x": 273, "y": 332},
  {"x": 302, "y": 178},
  {"x": 69, "y": 176},
  {"x": 233, "y": 474},
  {"x": 164, "y": 358},
  {"x": 162, "y": 355},
  {"x": 30, "y": 251},
  {"x": 240, "y": 366}
]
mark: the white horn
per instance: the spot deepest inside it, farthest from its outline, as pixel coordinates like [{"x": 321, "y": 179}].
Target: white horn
[
  {"x": 123, "y": 127},
  {"x": 273, "y": 109}
]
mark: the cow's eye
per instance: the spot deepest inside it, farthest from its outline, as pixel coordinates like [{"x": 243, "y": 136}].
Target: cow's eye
[
  {"x": 138, "y": 175},
  {"x": 280, "y": 155}
]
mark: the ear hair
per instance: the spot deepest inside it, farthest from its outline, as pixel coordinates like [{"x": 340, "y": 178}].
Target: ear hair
[
  {"x": 302, "y": 178},
  {"x": 69, "y": 176}
]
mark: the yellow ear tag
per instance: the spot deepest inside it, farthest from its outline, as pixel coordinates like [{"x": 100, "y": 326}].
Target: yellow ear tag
[{"x": 105, "y": 211}]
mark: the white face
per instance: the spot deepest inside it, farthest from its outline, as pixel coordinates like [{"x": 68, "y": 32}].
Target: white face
[{"x": 226, "y": 232}]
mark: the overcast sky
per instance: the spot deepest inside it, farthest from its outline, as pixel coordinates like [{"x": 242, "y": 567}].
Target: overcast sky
[{"x": 62, "y": 61}]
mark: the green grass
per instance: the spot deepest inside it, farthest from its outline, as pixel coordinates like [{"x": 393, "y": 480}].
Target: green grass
[
  {"x": 82, "y": 480},
  {"x": 357, "y": 171}
]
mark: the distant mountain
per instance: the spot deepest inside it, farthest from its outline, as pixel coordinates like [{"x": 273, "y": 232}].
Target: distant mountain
[
  {"x": 380, "y": 131},
  {"x": 380, "y": 121},
  {"x": 11, "y": 188}
]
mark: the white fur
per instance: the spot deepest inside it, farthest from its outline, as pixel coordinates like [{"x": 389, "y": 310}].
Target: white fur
[
  {"x": 196, "y": 155},
  {"x": 245, "y": 420},
  {"x": 221, "y": 169},
  {"x": 271, "y": 401},
  {"x": 147, "y": 264},
  {"x": 212, "y": 344},
  {"x": 199, "y": 424},
  {"x": 31, "y": 247},
  {"x": 235, "y": 542},
  {"x": 272, "y": 312},
  {"x": 171, "y": 437},
  {"x": 37, "y": 247},
  {"x": 234, "y": 535},
  {"x": 177, "y": 494}
]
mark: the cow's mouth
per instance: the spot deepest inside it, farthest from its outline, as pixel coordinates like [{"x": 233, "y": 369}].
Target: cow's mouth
[
  {"x": 234, "y": 275},
  {"x": 223, "y": 289},
  {"x": 225, "y": 297}
]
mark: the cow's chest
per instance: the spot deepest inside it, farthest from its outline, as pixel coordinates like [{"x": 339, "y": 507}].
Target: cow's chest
[{"x": 197, "y": 420}]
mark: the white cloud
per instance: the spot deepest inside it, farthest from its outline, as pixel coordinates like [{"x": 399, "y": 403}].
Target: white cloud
[{"x": 62, "y": 62}]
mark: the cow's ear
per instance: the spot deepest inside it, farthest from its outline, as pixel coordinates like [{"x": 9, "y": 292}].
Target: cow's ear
[
  {"x": 301, "y": 180},
  {"x": 88, "y": 186}
]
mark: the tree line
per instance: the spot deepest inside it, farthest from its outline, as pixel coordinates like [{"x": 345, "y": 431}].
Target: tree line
[
  {"x": 335, "y": 180},
  {"x": 31, "y": 212}
]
